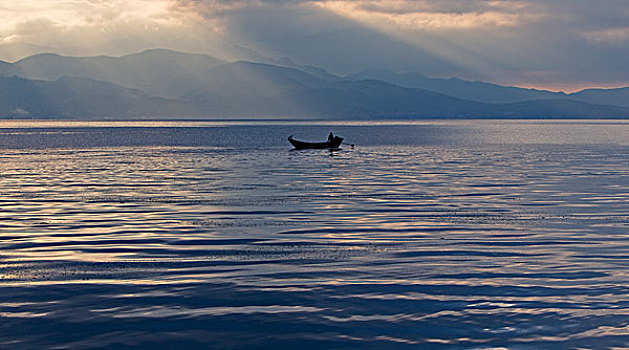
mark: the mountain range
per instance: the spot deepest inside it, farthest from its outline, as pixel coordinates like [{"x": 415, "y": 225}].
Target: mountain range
[{"x": 161, "y": 83}]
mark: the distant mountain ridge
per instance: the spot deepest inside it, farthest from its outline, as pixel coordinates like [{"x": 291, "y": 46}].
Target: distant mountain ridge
[
  {"x": 492, "y": 93},
  {"x": 618, "y": 97},
  {"x": 469, "y": 90},
  {"x": 8, "y": 69},
  {"x": 158, "y": 72},
  {"x": 76, "y": 98},
  {"x": 163, "y": 83}
]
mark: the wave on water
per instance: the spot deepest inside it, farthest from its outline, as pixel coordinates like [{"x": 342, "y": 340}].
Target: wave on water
[{"x": 445, "y": 238}]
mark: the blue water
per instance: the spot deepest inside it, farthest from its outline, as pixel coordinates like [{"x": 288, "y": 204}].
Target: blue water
[{"x": 431, "y": 234}]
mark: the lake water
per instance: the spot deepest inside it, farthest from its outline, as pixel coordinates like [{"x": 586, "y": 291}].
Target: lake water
[{"x": 431, "y": 234}]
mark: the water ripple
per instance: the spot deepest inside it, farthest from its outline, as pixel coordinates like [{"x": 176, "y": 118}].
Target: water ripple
[{"x": 457, "y": 237}]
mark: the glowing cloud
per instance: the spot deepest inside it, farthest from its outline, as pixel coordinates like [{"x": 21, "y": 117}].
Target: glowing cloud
[
  {"x": 83, "y": 27},
  {"x": 425, "y": 15}
]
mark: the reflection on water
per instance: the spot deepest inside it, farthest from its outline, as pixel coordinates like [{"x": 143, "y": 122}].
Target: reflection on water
[{"x": 434, "y": 235}]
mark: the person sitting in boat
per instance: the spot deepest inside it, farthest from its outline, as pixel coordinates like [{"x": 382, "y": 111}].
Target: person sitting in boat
[{"x": 330, "y": 137}]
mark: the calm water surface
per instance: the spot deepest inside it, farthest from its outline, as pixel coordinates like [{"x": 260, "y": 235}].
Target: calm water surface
[{"x": 465, "y": 234}]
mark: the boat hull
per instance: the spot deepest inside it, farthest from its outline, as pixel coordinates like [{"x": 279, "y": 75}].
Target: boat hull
[{"x": 335, "y": 143}]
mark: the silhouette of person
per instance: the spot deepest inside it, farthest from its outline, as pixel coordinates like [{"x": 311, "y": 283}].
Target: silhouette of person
[{"x": 330, "y": 137}]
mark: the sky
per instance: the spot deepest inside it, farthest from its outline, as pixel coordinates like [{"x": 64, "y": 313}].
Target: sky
[{"x": 552, "y": 44}]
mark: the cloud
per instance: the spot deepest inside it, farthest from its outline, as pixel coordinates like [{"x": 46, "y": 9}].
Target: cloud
[
  {"x": 520, "y": 42},
  {"x": 90, "y": 27},
  {"x": 29, "y": 19},
  {"x": 524, "y": 42},
  {"x": 613, "y": 36},
  {"x": 577, "y": 15}
]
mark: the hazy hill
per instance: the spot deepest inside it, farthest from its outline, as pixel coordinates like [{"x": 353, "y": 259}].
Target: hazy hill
[
  {"x": 168, "y": 84},
  {"x": 253, "y": 90},
  {"x": 561, "y": 109},
  {"x": 368, "y": 98},
  {"x": 8, "y": 69},
  {"x": 82, "y": 98},
  {"x": 293, "y": 94},
  {"x": 618, "y": 97},
  {"x": 469, "y": 90},
  {"x": 157, "y": 72},
  {"x": 492, "y": 93},
  {"x": 315, "y": 71}
]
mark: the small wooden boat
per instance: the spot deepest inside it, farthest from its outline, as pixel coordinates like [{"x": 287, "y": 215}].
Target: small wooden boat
[{"x": 334, "y": 143}]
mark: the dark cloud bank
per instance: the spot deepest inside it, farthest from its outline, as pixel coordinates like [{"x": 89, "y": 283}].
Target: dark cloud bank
[{"x": 569, "y": 42}]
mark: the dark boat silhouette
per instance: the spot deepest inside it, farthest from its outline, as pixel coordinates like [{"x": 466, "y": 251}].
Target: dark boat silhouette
[{"x": 334, "y": 143}]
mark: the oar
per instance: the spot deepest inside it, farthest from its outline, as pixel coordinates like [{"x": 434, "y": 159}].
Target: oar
[{"x": 350, "y": 144}]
